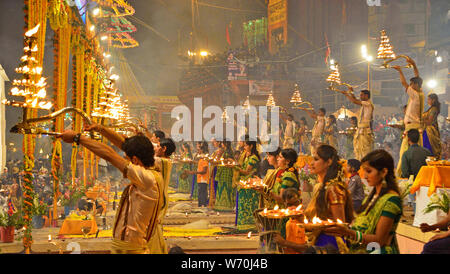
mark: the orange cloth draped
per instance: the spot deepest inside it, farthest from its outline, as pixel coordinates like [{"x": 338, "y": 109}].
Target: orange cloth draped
[
  {"x": 432, "y": 177},
  {"x": 73, "y": 227}
]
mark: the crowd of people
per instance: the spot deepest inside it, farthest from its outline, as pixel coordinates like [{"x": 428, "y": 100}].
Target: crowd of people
[{"x": 337, "y": 168}]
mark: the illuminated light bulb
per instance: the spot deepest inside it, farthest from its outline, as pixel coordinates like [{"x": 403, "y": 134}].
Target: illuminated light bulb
[
  {"x": 276, "y": 207},
  {"x": 104, "y": 37},
  {"x": 265, "y": 211},
  {"x": 432, "y": 83},
  {"x": 339, "y": 221},
  {"x": 32, "y": 31},
  {"x": 96, "y": 12},
  {"x": 439, "y": 59},
  {"x": 298, "y": 208},
  {"x": 92, "y": 28},
  {"x": 305, "y": 220},
  {"x": 249, "y": 235},
  {"x": 329, "y": 221}
]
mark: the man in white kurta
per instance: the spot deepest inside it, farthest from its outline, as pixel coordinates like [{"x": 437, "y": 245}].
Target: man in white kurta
[{"x": 414, "y": 108}]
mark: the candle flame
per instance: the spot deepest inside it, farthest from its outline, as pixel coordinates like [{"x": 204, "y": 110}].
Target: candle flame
[
  {"x": 339, "y": 221},
  {"x": 305, "y": 220},
  {"x": 32, "y": 31},
  {"x": 276, "y": 207},
  {"x": 330, "y": 221},
  {"x": 298, "y": 208},
  {"x": 265, "y": 210},
  {"x": 249, "y": 234},
  {"x": 49, "y": 237}
]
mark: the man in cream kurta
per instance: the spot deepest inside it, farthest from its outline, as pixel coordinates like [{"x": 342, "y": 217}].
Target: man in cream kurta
[
  {"x": 363, "y": 141},
  {"x": 289, "y": 132},
  {"x": 136, "y": 217},
  {"x": 414, "y": 108},
  {"x": 318, "y": 129}
]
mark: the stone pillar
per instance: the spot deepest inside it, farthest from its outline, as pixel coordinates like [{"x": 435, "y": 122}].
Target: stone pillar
[{"x": 3, "y": 79}]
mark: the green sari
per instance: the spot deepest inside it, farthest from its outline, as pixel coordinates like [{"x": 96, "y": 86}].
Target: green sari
[
  {"x": 389, "y": 205},
  {"x": 248, "y": 199},
  {"x": 184, "y": 184},
  {"x": 225, "y": 192},
  {"x": 432, "y": 132}
]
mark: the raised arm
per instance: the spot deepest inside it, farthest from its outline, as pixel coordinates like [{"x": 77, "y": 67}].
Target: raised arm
[
  {"x": 411, "y": 61},
  {"x": 351, "y": 96},
  {"x": 98, "y": 148},
  {"x": 402, "y": 77},
  {"x": 312, "y": 113},
  {"x": 108, "y": 133}
]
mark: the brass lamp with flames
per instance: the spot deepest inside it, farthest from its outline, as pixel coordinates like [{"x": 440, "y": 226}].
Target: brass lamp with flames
[
  {"x": 335, "y": 79},
  {"x": 32, "y": 88},
  {"x": 386, "y": 52},
  {"x": 270, "y": 101},
  {"x": 298, "y": 101}
]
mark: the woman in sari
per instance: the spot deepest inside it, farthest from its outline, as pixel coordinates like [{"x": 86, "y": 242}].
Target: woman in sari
[
  {"x": 269, "y": 180},
  {"x": 184, "y": 180},
  {"x": 247, "y": 199},
  {"x": 331, "y": 199},
  {"x": 287, "y": 175},
  {"x": 431, "y": 135},
  {"x": 380, "y": 212},
  {"x": 225, "y": 192},
  {"x": 331, "y": 131},
  {"x": 217, "y": 154}
]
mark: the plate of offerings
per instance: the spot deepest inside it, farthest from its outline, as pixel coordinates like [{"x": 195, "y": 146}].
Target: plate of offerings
[
  {"x": 277, "y": 213},
  {"x": 229, "y": 163},
  {"x": 251, "y": 184},
  {"x": 318, "y": 224},
  {"x": 438, "y": 163}
]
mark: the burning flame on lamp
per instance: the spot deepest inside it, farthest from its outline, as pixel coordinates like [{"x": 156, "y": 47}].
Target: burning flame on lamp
[
  {"x": 32, "y": 31},
  {"x": 276, "y": 207},
  {"x": 249, "y": 235}
]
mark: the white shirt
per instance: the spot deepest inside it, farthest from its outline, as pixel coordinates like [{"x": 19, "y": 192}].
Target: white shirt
[
  {"x": 366, "y": 114},
  {"x": 413, "y": 108},
  {"x": 289, "y": 131},
  {"x": 319, "y": 126}
]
